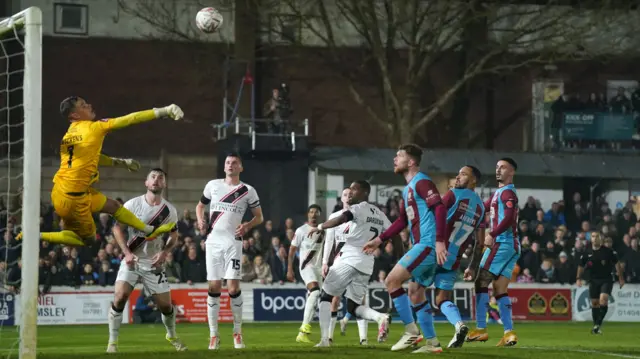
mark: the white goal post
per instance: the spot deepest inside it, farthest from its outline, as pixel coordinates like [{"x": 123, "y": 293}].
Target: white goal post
[{"x": 29, "y": 21}]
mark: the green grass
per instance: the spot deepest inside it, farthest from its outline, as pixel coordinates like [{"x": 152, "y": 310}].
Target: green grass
[{"x": 277, "y": 341}]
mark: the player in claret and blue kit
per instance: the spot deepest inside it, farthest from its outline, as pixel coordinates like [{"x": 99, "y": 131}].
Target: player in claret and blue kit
[
  {"x": 465, "y": 215},
  {"x": 499, "y": 259},
  {"x": 424, "y": 213}
]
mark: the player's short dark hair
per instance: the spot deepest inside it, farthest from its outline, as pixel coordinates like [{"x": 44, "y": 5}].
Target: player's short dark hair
[
  {"x": 476, "y": 172},
  {"x": 68, "y": 105},
  {"x": 236, "y": 155},
  {"x": 364, "y": 185},
  {"x": 158, "y": 169},
  {"x": 413, "y": 151},
  {"x": 317, "y": 207},
  {"x": 510, "y": 161}
]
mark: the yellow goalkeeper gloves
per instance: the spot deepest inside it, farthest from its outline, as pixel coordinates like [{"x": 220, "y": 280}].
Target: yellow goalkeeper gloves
[
  {"x": 172, "y": 111},
  {"x": 128, "y": 163}
]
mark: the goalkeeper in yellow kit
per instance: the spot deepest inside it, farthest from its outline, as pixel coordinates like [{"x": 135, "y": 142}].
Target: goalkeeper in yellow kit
[{"x": 72, "y": 196}]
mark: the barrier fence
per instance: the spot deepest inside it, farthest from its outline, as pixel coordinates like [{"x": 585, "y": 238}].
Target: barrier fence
[{"x": 285, "y": 303}]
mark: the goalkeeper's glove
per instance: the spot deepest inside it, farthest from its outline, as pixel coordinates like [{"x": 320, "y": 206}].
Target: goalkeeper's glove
[
  {"x": 128, "y": 163},
  {"x": 172, "y": 111}
]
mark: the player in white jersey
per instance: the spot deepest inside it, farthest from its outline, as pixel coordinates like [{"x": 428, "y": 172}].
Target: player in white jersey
[
  {"x": 353, "y": 268},
  {"x": 333, "y": 242},
  {"x": 144, "y": 259},
  {"x": 228, "y": 199},
  {"x": 310, "y": 267}
]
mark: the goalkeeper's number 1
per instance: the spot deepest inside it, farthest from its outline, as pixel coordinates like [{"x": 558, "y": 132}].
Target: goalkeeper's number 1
[{"x": 70, "y": 153}]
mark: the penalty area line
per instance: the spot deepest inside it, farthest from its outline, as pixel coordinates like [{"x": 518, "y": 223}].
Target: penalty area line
[{"x": 584, "y": 351}]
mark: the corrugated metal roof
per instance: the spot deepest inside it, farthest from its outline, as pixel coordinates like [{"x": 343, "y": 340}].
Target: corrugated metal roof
[{"x": 622, "y": 166}]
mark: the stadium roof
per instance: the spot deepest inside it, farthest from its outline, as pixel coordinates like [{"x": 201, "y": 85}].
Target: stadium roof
[{"x": 613, "y": 166}]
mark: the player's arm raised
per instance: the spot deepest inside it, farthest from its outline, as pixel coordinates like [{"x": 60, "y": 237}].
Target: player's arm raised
[
  {"x": 172, "y": 111},
  {"x": 344, "y": 217},
  {"x": 128, "y": 163}
]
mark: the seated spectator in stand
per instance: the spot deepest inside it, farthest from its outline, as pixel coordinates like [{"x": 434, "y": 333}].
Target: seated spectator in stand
[
  {"x": 565, "y": 270},
  {"x": 145, "y": 311},
  {"x": 172, "y": 269},
  {"x": 88, "y": 276},
  {"x": 525, "y": 277},
  {"x": 554, "y": 217},
  {"x": 262, "y": 270},
  {"x": 547, "y": 272},
  {"x": 194, "y": 271},
  {"x": 247, "y": 271},
  {"x": 107, "y": 275}
]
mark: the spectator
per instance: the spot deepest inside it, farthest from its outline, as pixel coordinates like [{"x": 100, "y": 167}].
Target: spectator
[
  {"x": 172, "y": 269},
  {"x": 88, "y": 276},
  {"x": 262, "y": 270},
  {"x": 186, "y": 225},
  {"x": 547, "y": 272},
  {"x": 249, "y": 250},
  {"x": 106, "y": 276},
  {"x": 278, "y": 265},
  {"x": 70, "y": 275},
  {"x": 565, "y": 270},
  {"x": 525, "y": 277},
  {"x": 194, "y": 270},
  {"x": 247, "y": 271},
  {"x": 554, "y": 217},
  {"x": 631, "y": 262}
]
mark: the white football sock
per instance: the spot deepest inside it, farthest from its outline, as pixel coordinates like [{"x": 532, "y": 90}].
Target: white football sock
[
  {"x": 213, "y": 308},
  {"x": 332, "y": 324},
  {"x": 310, "y": 306},
  {"x": 115, "y": 320},
  {"x": 368, "y": 313},
  {"x": 236, "y": 309},
  {"x": 169, "y": 322},
  {"x": 363, "y": 326},
  {"x": 325, "y": 319}
]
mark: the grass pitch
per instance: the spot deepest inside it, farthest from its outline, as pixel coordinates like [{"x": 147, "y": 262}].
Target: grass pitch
[{"x": 277, "y": 341}]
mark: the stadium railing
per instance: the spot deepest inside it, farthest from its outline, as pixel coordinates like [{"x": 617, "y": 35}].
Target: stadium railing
[{"x": 285, "y": 303}]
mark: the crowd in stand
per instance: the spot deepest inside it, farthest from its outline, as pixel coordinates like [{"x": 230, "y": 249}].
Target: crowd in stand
[
  {"x": 623, "y": 103},
  {"x": 553, "y": 241}
]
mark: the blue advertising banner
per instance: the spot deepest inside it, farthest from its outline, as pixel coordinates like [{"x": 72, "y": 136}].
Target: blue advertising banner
[
  {"x": 598, "y": 126},
  {"x": 282, "y": 305},
  {"x": 7, "y": 309}
]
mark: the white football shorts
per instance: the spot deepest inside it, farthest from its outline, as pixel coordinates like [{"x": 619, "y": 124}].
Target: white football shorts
[
  {"x": 154, "y": 282},
  {"x": 223, "y": 258},
  {"x": 311, "y": 274},
  {"x": 343, "y": 277}
]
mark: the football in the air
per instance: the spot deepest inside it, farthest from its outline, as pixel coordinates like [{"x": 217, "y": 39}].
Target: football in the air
[{"x": 208, "y": 20}]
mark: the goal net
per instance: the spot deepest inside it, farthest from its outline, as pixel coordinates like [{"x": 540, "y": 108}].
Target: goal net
[{"x": 20, "y": 151}]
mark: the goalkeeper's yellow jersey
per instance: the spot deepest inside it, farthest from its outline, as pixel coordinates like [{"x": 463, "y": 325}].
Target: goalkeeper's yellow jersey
[{"x": 79, "y": 155}]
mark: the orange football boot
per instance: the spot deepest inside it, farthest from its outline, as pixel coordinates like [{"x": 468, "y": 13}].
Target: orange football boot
[
  {"x": 509, "y": 339},
  {"x": 478, "y": 335}
]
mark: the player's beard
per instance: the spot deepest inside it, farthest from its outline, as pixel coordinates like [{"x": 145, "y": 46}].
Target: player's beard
[{"x": 155, "y": 191}]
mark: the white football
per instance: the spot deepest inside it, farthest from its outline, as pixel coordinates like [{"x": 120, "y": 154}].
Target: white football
[{"x": 208, "y": 20}]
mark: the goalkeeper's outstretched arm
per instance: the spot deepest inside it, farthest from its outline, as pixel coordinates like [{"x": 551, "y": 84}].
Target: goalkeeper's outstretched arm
[
  {"x": 128, "y": 163},
  {"x": 172, "y": 111}
]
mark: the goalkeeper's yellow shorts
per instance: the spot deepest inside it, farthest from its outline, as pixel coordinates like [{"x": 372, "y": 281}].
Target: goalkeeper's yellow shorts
[{"x": 76, "y": 210}]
